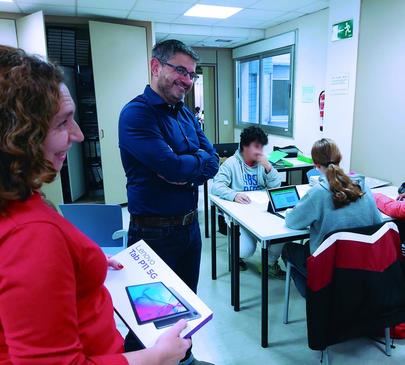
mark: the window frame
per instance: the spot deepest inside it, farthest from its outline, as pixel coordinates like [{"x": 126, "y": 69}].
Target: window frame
[{"x": 279, "y": 131}]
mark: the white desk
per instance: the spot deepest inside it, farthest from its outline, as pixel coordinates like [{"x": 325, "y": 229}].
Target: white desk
[
  {"x": 390, "y": 191},
  {"x": 255, "y": 218},
  {"x": 298, "y": 165},
  {"x": 268, "y": 229}
]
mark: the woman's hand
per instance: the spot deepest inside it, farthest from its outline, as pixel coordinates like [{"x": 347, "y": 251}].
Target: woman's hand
[
  {"x": 114, "y": 263},
  {"x": 170, "y": 347}
]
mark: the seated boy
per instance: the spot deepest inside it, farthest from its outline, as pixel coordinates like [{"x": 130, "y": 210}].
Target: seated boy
[{"x": 249, "y": 170}]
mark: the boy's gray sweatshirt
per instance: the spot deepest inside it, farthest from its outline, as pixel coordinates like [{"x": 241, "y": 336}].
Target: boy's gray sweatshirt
[{"x": 235, "y": 176}]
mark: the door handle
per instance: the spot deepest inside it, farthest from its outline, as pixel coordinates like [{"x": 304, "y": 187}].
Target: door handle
[{"x": 101, "y": 133}]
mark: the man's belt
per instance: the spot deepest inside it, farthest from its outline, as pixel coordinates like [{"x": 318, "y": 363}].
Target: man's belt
[{"x": 183, "y": 220}]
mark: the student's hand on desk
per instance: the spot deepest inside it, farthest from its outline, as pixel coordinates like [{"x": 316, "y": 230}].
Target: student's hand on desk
[
  {"x": 170, "y": 346},
  {"x": 114, "y": 263},
  {"x": 262, "y": 160},
  {"x": 242, "y": 198},
  {"x": 401, "y": 197}
]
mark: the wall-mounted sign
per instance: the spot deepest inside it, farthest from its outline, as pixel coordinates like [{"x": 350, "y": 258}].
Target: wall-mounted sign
[
  {"x": 342, "y": 30},
  {"x": 339, "y": 84},
  {"x": 308, "y": 94}
]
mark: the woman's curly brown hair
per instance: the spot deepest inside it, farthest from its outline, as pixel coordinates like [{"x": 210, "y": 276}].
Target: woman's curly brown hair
[{"x": 29, "y": 98}]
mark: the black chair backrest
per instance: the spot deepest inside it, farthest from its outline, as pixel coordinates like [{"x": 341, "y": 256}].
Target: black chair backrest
[
  {"x": 355, "y": 285},
  {"x": 226, "y": 149}
]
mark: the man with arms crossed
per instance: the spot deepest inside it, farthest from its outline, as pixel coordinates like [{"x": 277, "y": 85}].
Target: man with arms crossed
[{"x": 166, "y": 156}]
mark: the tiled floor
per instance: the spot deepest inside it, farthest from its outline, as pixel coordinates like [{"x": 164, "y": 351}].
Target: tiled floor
[{"x": 234, "y": 338}]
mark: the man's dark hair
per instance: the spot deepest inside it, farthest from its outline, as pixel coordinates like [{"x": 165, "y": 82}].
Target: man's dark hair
[
  {"x": 252, "y": 134},
  {"x": 165, "y": 50}
]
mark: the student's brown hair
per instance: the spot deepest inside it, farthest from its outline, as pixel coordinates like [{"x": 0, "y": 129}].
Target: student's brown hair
[
  {"x": 29, "y": 98},
  {"x": 326, "y": 153}
]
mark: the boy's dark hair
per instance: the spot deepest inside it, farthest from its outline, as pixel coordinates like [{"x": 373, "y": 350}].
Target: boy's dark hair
[
  {"x": 165, "y": 50},
  {"x": 252, "y": 134}
]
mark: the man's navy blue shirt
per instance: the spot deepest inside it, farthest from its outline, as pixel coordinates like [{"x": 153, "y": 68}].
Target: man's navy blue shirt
[{"x": 161, "y": 145}]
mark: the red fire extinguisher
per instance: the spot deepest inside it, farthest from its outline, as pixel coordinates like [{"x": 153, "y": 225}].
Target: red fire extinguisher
[{"x": 321, "y": 103}]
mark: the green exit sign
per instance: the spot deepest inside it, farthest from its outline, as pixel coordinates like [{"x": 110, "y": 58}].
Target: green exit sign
[{"x": 342, "y": 30}]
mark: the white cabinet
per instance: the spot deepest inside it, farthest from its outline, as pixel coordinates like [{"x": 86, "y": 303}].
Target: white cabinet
[{"x": 120, "y": 68}]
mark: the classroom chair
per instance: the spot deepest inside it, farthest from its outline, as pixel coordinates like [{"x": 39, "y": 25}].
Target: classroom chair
[
  {"x": 313, "y": 172},
  {"x": 101, "y": 222},
  {"x": 366, "y": 261}
]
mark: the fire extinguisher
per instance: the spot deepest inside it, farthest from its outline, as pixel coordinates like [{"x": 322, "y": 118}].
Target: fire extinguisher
[{"x": 321, "y": 103}]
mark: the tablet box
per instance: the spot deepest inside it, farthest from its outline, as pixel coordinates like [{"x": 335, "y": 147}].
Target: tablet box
[{"x": 149, "y": 297}]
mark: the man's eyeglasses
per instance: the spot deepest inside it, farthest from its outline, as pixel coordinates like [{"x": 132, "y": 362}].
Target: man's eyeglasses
[{"x": 182, "y": 71}]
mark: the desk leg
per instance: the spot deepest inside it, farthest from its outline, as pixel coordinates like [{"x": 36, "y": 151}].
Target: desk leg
[
  {"x": 232, "y": 264},
  {"x": 207, "y": 234},
  {"x": 265, "y": 294},
  {"x": 228, "y": 236},
  {"x": 236, "y": 252},
  {"x": 213, "y": 243}
]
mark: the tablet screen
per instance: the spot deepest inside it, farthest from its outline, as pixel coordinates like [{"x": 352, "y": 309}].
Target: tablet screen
[
  {"x": 284, "y": 198},
  {"x": 153, "y": 301}
]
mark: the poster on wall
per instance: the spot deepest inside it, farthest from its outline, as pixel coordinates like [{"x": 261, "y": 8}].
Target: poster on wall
[
  {"x": 308, "y": 94},
  {"x": 339, "y": 84}
]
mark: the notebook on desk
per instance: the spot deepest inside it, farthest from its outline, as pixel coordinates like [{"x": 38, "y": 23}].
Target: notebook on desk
[{"x": 281, "y": 199}]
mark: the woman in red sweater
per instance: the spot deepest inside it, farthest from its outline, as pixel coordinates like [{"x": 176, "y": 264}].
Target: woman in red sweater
[
  {"x": 54, "y": 308},
  {"x": 395, "y": 208},
  {"x": 391, "y": 207}
]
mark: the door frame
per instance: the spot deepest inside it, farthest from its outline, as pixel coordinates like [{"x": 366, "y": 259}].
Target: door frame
[{"x": 216, "y": 110}]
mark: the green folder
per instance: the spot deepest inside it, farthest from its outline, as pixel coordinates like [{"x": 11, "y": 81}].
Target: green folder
[
  {"x": 305, "y": 159},
  {"x": 285, "y": 163},
  {"x": 276, "y": 156}
]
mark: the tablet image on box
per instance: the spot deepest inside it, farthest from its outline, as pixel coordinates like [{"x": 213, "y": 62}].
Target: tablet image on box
[
  {"x": 282, "y": 199},
  {"x": 148, "y": 295},
  {"x": 154, "y": 302}
]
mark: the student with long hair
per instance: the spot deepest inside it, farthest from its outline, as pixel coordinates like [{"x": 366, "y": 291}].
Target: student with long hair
[{"x": 335, "y": 203}]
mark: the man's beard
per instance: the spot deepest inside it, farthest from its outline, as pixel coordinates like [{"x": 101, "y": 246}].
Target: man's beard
[{"x": 165, "y": 90}]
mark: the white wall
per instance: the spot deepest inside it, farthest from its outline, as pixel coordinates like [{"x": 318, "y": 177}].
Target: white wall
[
  {"x": 8, "y": 36},
  {"x": 379, "y": 128},
  {"x": 341, "y": 62},
  {"x": 310, "y": 70}
]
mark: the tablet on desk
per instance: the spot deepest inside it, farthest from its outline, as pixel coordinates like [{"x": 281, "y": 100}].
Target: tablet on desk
[
  {"x": 282, "y": 199},
  {"x": 154, "y": 302}
]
